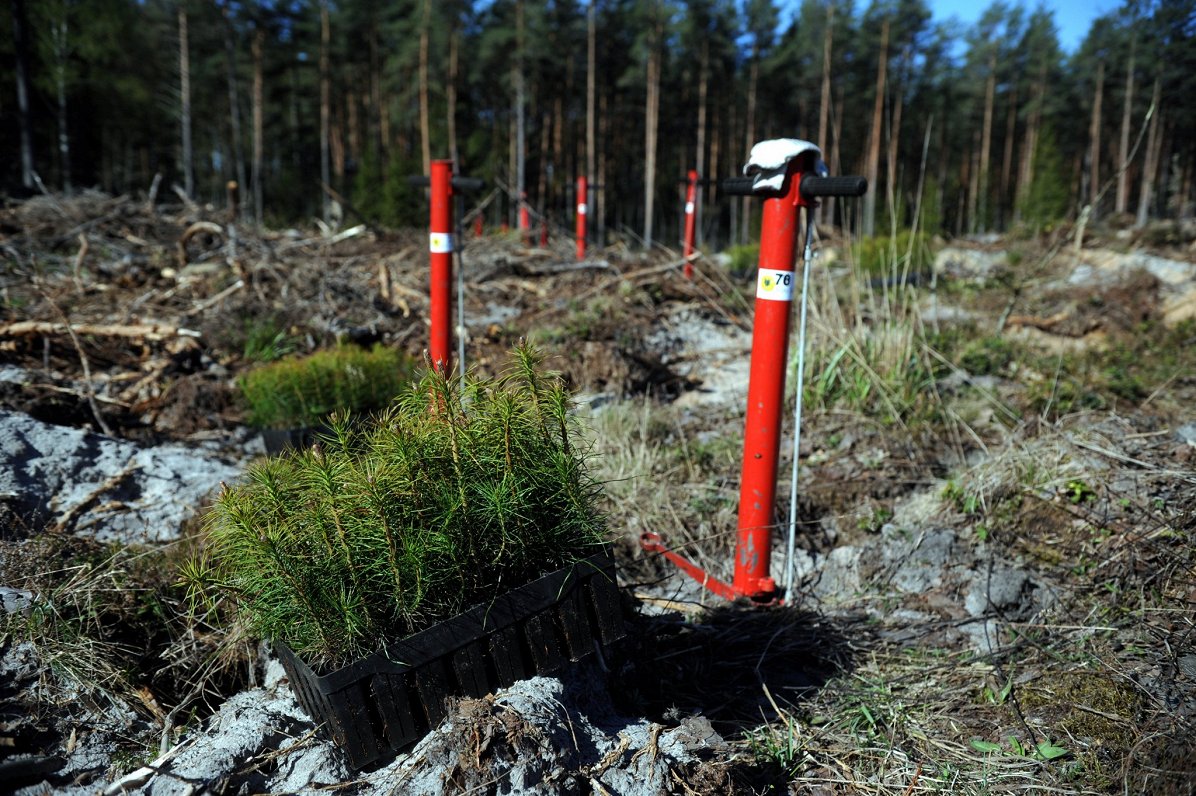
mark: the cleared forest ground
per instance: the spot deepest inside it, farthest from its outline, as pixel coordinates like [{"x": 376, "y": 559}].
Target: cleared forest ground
[{"x": 996, "y": 509}]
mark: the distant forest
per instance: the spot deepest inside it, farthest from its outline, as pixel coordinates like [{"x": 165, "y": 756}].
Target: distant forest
[{"x": 319, "y": 106}]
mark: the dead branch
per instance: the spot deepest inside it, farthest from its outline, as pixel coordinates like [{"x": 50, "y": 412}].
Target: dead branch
[
  {"x": 84, "y": 247},
  {"x": 91, "y": 390},
  {"x": 384, "y": 281},
  {"x": 144, "y": 331},
  {"x": 566, "y": 267},
  {"x": 187, "y": 203},
  {"x": 153, "y": 193},
  {"x": 193, "y": 230},
  {"x": 216, "y": 299},
  {"x": 345, "y": 203}
]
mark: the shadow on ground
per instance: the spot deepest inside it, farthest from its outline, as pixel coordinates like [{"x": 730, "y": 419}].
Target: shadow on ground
[{"x": 734, "y": 664}]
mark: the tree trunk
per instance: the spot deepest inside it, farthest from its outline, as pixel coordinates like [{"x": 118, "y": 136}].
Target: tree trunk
[
  {"x": 1094, "y": 141},
  {"x": 259, "y": 39},
  {"x": 873, "y": 165},
  {"x": 700, "y": 147},
  {"x": 352, "y": 100},
  {"x": 512, "y": 157},
  {"x": 836, "y": 122},
  {"x": 1186, "y": 180},
  {"x": 986, "y": 142},
  {"x": 337, "y": 141},
  {"x": 425, "y": 133},
  {"x": 1150, "y": 166},
  {"x": 731, "y": 136},
  {"x": 185, "y": 103},
  {"x": 234, "y": 104},
  {"x": 60, "y": 44},
  {"x": 1123, "y": 150},
  {"x": 1030, "y": 141},
  {"x": 891, "y": 192},
  {"x": 715, "y": 150},
  {"x": 1007, "y": 158},
  {"x": 64, "y": 139},
  {"x": 973, "y": 196},
  {"x": 600, "y": 192},
  {"x": 20, "y": 33},
  {"x": 651, "y": 117},
  {"x": 377, "y": 124},
  {"x": 749, "y": 140},
  {"x": 824, "y": 104},
  {"x": 325, "y": 109},
  {"x": 520, "y": 111},
  {"x": 542, "y": 176},
  {"x": 451, "y": 97},
  {"x": 591, "y": 86}
]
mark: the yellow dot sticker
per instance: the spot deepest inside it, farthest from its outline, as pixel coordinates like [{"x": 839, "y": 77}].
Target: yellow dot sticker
[
  {"x": 774, "y": 285},
  {"x": 440, "y": 242}
]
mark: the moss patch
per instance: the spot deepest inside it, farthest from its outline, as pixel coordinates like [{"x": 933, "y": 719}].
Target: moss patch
[{"x": 1088, "y": 706}]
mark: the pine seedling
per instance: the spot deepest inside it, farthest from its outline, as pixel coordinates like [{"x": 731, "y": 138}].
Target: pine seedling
[
  {"x": 302, "y": 391},
  {"x": 379, "y": 530}
]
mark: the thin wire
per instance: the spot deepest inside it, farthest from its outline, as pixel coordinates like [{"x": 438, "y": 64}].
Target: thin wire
[{"x": 807, "y": 258}]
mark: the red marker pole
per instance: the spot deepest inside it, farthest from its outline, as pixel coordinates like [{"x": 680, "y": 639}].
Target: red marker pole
[
  {"x": 580, "y": 233},
  {"x": 766, "y": 387},
  {"x": 477, "y": 226},
  {"x": 691, "y": 197},
  {"x": 525, "y": 221},
  {"x": 440, "y": 248}
]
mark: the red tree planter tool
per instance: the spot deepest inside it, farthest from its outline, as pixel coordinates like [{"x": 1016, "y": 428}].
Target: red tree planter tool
[
  {"x": 787, "y": 175},
  {"x": 580, "y": 231},
  {"x": 444, "y": 185}
]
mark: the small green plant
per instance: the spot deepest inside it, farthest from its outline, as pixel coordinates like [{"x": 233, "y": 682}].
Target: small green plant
[
  {"x": 1000, "y": 695},
  {"x": 744, "y": 259},
  {"x": 987, "y": 356},
  {"x": 301, "y": 392},
  {"x": 874, "y": 519},
  {"x": 778, "y": 749},
  {"x": 266, "y": 341},
  {"x": 453, "y": 496},
  {"x": 1079, "y": 492},
  {"x": 895, "y": 257},
  {"x": 965, "y": 500},
  {"x": 1044, "y": 750}
]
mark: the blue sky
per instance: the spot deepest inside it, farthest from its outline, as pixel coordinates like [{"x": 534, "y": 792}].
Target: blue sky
[{"x": 1072, "y": 17}]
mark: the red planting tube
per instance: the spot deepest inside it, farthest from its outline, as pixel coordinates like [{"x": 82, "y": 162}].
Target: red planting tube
[
  {"x": 766, "y": 386},
  {"x": 580, "y": 232},
  {"x": 477, "y": 226},
  {"x": 691, "y": 195},
  {"x": 440, "y": 247}
]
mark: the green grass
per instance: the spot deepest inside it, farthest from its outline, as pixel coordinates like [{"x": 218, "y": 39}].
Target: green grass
[
  {"x": 380, "y": 531},
  {"x": 896, "y": 256},
  {"x": 299, "y": 392}
]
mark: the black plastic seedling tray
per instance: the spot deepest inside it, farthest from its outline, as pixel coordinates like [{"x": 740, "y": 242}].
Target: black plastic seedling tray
[{"x": 384, "y": 703}]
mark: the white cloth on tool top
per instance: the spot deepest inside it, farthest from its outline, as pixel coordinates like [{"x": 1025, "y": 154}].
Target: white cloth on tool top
[{"x": 769, "y": 161}]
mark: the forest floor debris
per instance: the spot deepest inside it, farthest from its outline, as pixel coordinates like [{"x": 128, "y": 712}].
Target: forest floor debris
[{"x": 995, "y": 572}]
